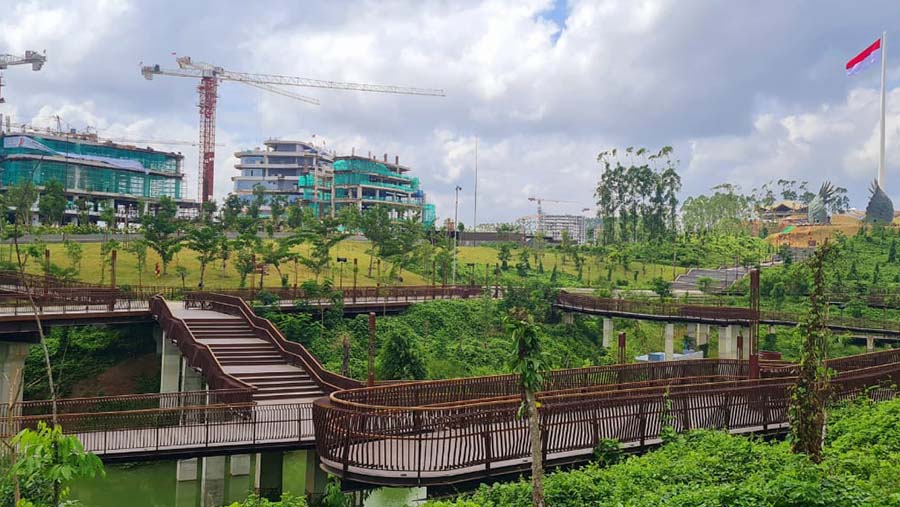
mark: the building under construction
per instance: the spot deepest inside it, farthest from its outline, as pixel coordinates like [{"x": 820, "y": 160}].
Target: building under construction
[
  {"x": 94, "y": 173},
  {"x": 298, "y": 171},
  {"x": 366, "y": 181},
  {"x": 315, "y": 178}
]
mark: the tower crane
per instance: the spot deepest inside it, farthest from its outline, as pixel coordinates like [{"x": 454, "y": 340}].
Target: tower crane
[
  {"x": 210, "y": 75},
  {"x": 31, "y": 57},
  {"x": 540, "y": 211}
]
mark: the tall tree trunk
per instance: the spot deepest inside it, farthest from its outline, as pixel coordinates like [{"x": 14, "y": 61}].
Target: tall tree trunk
[{"x": 537, "y": 466}]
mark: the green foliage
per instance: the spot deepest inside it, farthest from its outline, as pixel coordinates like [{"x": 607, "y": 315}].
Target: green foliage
[
  {"x": 160, "y": 230},
  {"x": 400, "y": 357},
  {"x": 662, "y": 288},
  {"x": 706, "y": 468},
  {"x": 47, "y": 461},
  {"x": 205, "y": 241},
  {"x": 608, "y": 452},
  {"x": 287, "y": 500},
  {"x": 52, "y": 205},
  {"x": 81, "y": 352}
]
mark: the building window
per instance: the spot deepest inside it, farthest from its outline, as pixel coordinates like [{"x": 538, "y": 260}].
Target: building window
[{"x": 251, "y": 160}]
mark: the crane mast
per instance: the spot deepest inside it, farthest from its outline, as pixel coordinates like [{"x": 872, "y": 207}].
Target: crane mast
[
  {"x": 33, "y": 58},
  {"x": 210, "y": 75}
]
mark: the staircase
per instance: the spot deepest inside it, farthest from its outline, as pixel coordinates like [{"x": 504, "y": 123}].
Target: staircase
[{"x": 253, "y": 360}]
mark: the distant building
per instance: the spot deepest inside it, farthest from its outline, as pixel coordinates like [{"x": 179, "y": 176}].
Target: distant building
[
  {"x": 366, "y": 181},
  {"x": 782, "y": 210},
  {"x": 554, "y": 225},
  {"x": 299, "y": 171},
  {"x": 94, "y": 173}
]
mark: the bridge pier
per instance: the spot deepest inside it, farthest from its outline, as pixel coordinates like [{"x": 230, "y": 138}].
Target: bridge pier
[
  {"x": 702, "y": 336},
  {"x": 607, "y": 332},
  {"x": 170, "y": 365},
  {"x": 191, "y": 380},
  {"x": 728, "y": 341},
  {"x": 186, "y": 482},
  {"x": 12, "y": 372},
  {"x": 870, "y": 344},
  {"x": 269, "y": 474},
  {"x": 212, "y": 485},
  {"x": 568, "y": 318},
  {"x": 316, "y": 478},
  {"x": 670, "y": 341}
]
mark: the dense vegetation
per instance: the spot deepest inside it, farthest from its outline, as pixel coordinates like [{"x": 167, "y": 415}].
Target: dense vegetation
[
  {"x": 83, "y": 352},
  {"x": 703, "y": 468},
  {"x": 442, "y": 339}
]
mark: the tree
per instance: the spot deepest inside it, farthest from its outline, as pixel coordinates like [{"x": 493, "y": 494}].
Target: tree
[
  {"x": 892, "y": 253},
  {"x": 20, "y": 197},
  {"x": 277, "y": 206},
  {"x": 231, "y": 210},
  {"x": 504, "y": 255},
  {"x": 400, "y": 358},
  {"x": 160, "y": 230},
  {"x": 182, "y": 272},
  {"x": 138, "y": 248},
  {"x": 661, "y": 287},
  {"x": 807, "y": 410},
  {"x": 52, "y": 204},
  {"x": 322, "y": 234},
  {"x": 706, "y": 284},
  {"x": 46, "y": 456},
  {"x": 528, "y": 364},
  {"x": 73, "y": 252},
  {"x": 205, "y": 241}
]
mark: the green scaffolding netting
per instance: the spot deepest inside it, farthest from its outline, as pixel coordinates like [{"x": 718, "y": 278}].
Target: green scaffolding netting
[
  {"x": 356, "y": 172},
  {"x": 153, "y": 161},
  {"x": 77, "y": 177}
]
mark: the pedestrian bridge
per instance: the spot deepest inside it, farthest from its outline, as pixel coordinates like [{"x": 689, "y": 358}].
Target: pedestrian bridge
[{"x": 241, "y": 387}]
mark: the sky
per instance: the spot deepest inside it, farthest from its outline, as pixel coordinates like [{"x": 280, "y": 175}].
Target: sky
[{"x": 745, "y": 92}]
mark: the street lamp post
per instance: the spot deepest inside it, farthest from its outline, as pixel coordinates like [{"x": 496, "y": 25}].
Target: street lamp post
[
  {"x": 455, "y": 233},
  {"x": 342, "y": 261}
]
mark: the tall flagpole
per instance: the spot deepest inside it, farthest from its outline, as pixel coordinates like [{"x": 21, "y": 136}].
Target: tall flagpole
[
  {"x": 883, "y": 67},
  {"x": 475, "y": 208}
]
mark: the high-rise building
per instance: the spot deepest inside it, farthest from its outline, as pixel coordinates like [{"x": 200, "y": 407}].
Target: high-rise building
[
  {"x": 94, "y": 173},
  {"x": 554, "y": 225},
  {"x": 299, "y": 171},
  {"x": 366, "y": 181}
]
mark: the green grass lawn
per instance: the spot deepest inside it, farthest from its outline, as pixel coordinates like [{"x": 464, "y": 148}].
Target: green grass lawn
[{"x": 127, "y": 272}]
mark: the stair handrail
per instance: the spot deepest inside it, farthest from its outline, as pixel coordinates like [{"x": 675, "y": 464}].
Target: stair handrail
[
  {"x": 291, "y": 351},
  {"x": 198, "y": 355}
]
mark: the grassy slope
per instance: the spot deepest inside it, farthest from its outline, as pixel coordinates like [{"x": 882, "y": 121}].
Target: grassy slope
[{"x": 127, "y": 273}]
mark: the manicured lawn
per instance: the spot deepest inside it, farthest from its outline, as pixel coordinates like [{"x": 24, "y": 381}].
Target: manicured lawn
[{"x": 127, "y": 272}]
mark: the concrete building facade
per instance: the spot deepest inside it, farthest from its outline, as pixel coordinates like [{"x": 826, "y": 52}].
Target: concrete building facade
[
  {"x": 94, "y": 173},
  {"x": 299, "y": 171},
  {"x": 366, "y": 181},
  {"x": 554, "y": 225}
]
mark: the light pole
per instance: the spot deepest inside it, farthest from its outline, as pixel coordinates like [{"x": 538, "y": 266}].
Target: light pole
[{"x": 455, "y": 233}]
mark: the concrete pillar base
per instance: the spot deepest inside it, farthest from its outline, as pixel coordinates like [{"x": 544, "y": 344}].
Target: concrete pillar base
[
  {"x": 316, "y": 478},
  {"x": 186, "y": 470},
  {"x": 12, "y": 372},
  {"x": 870, "y": 344},
  {"x": 670, "y": 341},
  {"x": 212, "y": 486},
  {"x": 239, "y": 464},
  {"x": 607, "y": 332},
  {"x": 269, "y": 472},
  {"x": 568, "y": 318}
]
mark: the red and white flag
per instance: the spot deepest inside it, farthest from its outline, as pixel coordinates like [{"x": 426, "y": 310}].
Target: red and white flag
[{"x": 870, "y": 55}]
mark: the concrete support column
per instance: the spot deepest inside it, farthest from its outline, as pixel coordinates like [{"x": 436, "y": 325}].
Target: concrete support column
[
  {"x": 316, "y": 478},
  {"x": 170, "y": 365},
  {"x": 870, "y": 344},
  {"x": 212, "y": 486},
  {"x": 239, "y": 464},
  {"x": 724, "y": 333},
  {"x": 12, "y": 372},
  {"x": 670, "y": 341},
  {"x": 568, "y": 318},
  {"x": 607, "y": 332},
  {"x": 186, "y": 485},
  {"x": 191, "y": 380},
  {"x": 269, "y": 472}
]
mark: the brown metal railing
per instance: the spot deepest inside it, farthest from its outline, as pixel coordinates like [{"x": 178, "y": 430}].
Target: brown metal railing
[
  {"x": 180, "y": 429},
  {"x": 468, "y": 437},
  {"x": 725, "y": 314},
  {"x": 197, "y": 355},
  {"x": 130, "y": 402},
  {"x": 293, "y": 353},
  {"x": 351, "y": 295}
]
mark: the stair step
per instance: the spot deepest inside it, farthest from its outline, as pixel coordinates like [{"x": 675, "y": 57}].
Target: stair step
[
  {"x": 268, "y": 397},
  {"x": 281, "y": 390},
  {"x": 248, "y": 362}
]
